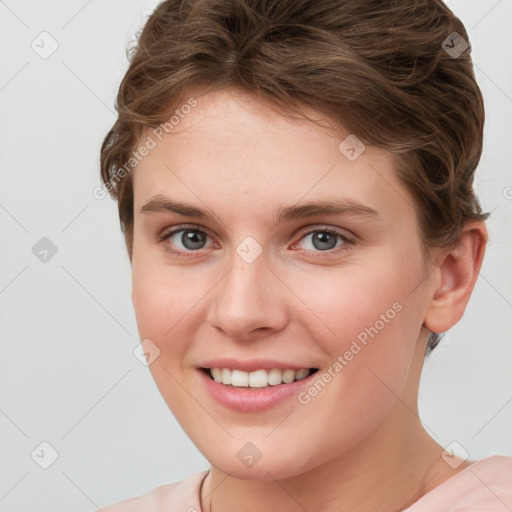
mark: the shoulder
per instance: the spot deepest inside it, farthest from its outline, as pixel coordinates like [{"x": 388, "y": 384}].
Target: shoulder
[
  {"x": 183, "y": 496},
  {"x": 484, "y": 485}
]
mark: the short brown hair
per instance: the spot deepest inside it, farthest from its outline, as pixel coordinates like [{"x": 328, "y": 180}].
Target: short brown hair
[{"x": 379, "y": 68}]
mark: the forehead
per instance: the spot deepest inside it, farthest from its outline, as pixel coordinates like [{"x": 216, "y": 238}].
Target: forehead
[{"x": 233, "y": 151}]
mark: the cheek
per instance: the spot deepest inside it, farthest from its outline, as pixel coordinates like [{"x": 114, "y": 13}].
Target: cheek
[
  {"x": 162, "y": 296},
  {"x": 170, "y": 307},
  {"x": 165, "y": 315},
  {"x": 370, "y": 322},
  {"x": 376, "y": 324},
  {"x": 352, "y": 302}
]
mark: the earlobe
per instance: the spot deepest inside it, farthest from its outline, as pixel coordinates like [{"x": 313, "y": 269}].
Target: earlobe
[{"x": 459, "y": 267}]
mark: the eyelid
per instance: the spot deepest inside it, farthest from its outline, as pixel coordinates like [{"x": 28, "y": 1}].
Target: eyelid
[
  {"x": 166, "y": 233},
  {"x": 344, "y": 234}
]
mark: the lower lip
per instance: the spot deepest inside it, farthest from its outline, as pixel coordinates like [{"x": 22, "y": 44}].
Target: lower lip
[{"x": 252, "y": 400}]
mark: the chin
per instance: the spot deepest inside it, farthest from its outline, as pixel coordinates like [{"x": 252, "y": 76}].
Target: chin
[{"x": 271, "y": 466}]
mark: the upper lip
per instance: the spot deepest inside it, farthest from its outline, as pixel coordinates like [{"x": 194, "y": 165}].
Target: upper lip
[{"x": 251, "y": 365}]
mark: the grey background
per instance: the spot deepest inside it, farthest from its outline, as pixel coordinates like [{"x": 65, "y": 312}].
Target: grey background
[{"x": 68, "y": 374}]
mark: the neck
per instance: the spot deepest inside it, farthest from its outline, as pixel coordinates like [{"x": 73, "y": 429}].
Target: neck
[{"x": 384, "y": 472}]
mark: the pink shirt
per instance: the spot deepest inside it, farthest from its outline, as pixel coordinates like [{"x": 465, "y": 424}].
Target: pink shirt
[{"x": 484, "y": 486}]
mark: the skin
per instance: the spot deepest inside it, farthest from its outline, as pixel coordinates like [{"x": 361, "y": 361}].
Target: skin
[{"x": 359, "y": 444}]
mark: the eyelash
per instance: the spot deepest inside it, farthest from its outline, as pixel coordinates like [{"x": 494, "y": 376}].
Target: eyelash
[{"x": 346, "y": 240}]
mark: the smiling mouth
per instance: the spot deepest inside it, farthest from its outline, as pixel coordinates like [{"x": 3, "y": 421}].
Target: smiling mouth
[{"x": 257, "y": 379}]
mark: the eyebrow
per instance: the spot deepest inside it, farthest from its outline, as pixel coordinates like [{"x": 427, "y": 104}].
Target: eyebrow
[{"x": 345, "y": 207}]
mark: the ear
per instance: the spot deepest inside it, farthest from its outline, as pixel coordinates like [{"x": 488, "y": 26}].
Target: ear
[{"x": 459, "y": 267}]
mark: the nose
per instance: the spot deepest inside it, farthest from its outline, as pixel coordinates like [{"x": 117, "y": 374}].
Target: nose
[{"x": 249, "y": 301}]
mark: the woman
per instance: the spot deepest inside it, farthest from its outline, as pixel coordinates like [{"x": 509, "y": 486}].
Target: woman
[{"x": 294, "y": 182}]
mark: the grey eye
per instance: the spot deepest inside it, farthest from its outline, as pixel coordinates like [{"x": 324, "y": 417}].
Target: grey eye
[
  {"x": 190, "y": 239},
  {"x": 322, "y": 240}
]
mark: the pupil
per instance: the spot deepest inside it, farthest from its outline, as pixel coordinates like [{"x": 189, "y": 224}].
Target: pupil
[
  {"x": 192, "y": 240},
  {"x": 321, "y": 238}
]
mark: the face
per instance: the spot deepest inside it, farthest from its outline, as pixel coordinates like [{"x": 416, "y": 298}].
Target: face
[{"x": 309, "y": 314}]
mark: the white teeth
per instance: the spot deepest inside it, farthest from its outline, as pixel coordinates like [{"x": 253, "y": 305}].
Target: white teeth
[
  {"x": 258, "y": 378},
  {"x": 239, "y": 378},
  {"x": 275, "y": 377},
  {"x": 288, "y": 376},
  {"x": 301, "y": 374},
  {"x": 225, "y": 376}
]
